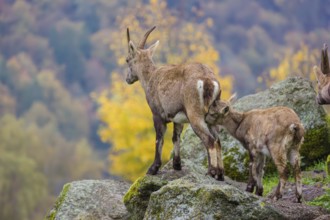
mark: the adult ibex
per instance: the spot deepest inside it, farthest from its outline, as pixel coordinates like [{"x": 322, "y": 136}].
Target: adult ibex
[
  {"x": 323, "y": 78},
  {"x": 275, "y": 131},
  {"x": 179, "y": 94}
]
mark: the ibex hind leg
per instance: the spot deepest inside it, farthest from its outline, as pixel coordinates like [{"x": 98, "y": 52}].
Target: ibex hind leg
[
  {"x": 215, "y": 132},
  {"x": 260, "y": 160},
  {"x": 176, "y": 142},
  {"x": 281, "y": 164},
  {"x": 202, "y": 131},
  {"x": 295, "y": 163},
  {"x": 160, "y": 128},
  {"x": 251, "y": 182}
]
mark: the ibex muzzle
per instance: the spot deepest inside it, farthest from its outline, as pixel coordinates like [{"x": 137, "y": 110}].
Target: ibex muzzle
[{"x": 179, "y": 94}]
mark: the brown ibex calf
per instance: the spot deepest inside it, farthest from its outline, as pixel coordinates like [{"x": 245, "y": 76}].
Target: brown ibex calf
[
  {"x": 323, "y": 78},
  {"x": 179, "y": 94},
  {"x": 275, "y": 131}
]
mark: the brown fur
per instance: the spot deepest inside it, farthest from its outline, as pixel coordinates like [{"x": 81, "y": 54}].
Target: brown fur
[
  {"x": 323, "y": 78},
  {"x": 179, "y": 94},
  {"x": 276, "y": 131}
]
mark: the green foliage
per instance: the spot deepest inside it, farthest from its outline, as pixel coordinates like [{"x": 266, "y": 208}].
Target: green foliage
[{"x": 322, "y": 201}]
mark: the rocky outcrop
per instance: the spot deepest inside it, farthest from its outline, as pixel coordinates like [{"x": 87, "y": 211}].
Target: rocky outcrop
[
  {"x": 296, "y": 93},
  {"x": 90, "y": 200},
  {"x": 190, "y": 193}
]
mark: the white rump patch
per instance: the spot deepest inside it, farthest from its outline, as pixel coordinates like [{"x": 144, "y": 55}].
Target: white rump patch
[
  {"x": 200, "y": 89},
  {"x": 215, "y": 90}
]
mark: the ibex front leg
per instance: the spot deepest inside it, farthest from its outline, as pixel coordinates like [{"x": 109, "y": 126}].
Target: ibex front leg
[
  {"x": 160, "y": 128},
  {"x": 176, "y": 142}
]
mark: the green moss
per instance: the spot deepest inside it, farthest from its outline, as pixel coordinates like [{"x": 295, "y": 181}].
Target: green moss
[
  {"x": 327, "y": 165},
  {"x": 323, "y": 201},
  {"x": 137, "y": 197},
  {"x": 58, "y": 203},
  {"x": 133, "y": 190},
  {"x": 315, "y": 146}
]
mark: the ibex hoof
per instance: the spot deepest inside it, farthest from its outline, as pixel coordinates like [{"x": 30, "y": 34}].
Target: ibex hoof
[
  {"x": 299, "y": 199},
  {"x": 216, "y": 173},
  {"x": 177, "y": 163},
  {"x": 249, "y": 188},
  {"x": 153, "y": 170}
]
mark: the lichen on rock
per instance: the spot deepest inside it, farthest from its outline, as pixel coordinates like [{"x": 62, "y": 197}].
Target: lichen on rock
[{"x": 89, "y": 200}]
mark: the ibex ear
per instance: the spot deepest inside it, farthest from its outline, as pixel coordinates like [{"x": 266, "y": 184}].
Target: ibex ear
[
  {"x": 318, "y": 73},
  {"x": 232, "y": 98},
  {"x": 132, "y": 48},
  {"x": 152, "y": 48}
]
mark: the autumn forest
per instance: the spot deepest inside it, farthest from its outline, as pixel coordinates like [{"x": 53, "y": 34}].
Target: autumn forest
[{"x": 66, "y": 112}]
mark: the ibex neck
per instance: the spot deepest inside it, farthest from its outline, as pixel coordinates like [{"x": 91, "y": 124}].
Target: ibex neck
[
  {"x": 234, "y": 121},
  {"x": 146, "y": 74}
]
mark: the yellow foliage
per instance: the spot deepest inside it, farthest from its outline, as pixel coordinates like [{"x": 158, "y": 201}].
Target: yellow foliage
[
  {"x": 299, "y": 63},
  {"x": 123, "y": 109}
]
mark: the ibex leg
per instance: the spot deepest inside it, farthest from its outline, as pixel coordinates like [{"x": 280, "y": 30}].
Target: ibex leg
[
  {"x": 280, "y": 161},
  {"x": 160, "y": 128},
  {"x": 202, "y": 131},
  {"x": 176, "y": 142},
  {"x": 251, "y": 183},
  {"x": 295, "y": 162}
]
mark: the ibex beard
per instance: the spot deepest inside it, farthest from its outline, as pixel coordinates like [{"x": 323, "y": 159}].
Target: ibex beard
[{"x": 179, "y": 94}]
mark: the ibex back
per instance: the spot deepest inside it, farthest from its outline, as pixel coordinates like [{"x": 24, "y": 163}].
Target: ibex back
[{"x": 179, "y": 94}]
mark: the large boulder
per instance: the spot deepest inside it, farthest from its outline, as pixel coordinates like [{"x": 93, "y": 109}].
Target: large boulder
[
  {"x": 296, "y": 93},
  {"x": 199, "y": 197},
  {"x": 190, "y": 194},
  {"x": 91, "y": 200}
]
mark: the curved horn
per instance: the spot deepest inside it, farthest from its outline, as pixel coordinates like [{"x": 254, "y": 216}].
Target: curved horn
[
  {"x": 325, "y": 67},
  {"x": 128, "y": 38},
  {"x": 144, "y": 39}
]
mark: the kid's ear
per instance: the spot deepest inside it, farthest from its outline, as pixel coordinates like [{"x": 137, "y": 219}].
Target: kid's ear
[
  {"x": 232, "y": 98},
  {"x": 152, "y": 48}
]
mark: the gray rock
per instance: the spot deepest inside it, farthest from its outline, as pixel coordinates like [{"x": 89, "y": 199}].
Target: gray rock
[
  {"x": 197, "y": 197},
  {"x": 90, "y": 200},
  {"x": 296, "y": 93}
]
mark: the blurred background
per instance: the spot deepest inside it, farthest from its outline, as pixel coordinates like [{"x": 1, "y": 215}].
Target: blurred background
[{"x": 67, "y": 114}]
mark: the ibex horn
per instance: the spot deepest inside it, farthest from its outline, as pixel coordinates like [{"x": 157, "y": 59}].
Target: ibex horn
[
  {"x": 325, "y": 67},
  {"x": 144, "y": 40},
  {"x": 128, "y": 38}
]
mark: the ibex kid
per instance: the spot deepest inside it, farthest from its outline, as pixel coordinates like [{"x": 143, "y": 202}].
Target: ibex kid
[
  {"x": 178, "y": 94},
  {"x": 276, "y": 132}
]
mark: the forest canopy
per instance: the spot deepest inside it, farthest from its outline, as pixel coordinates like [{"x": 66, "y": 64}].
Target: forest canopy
[{"x": 67, "y": 114}]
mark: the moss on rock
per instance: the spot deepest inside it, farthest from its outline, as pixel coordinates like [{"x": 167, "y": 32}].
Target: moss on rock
[
  {"x": 187, "y": 198},
  {"x": 327, "y": 165},
  {"x": 137, "y": 197},
  {"x": 316, "y": 145},
  {"x": 58, "y": 203}
]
